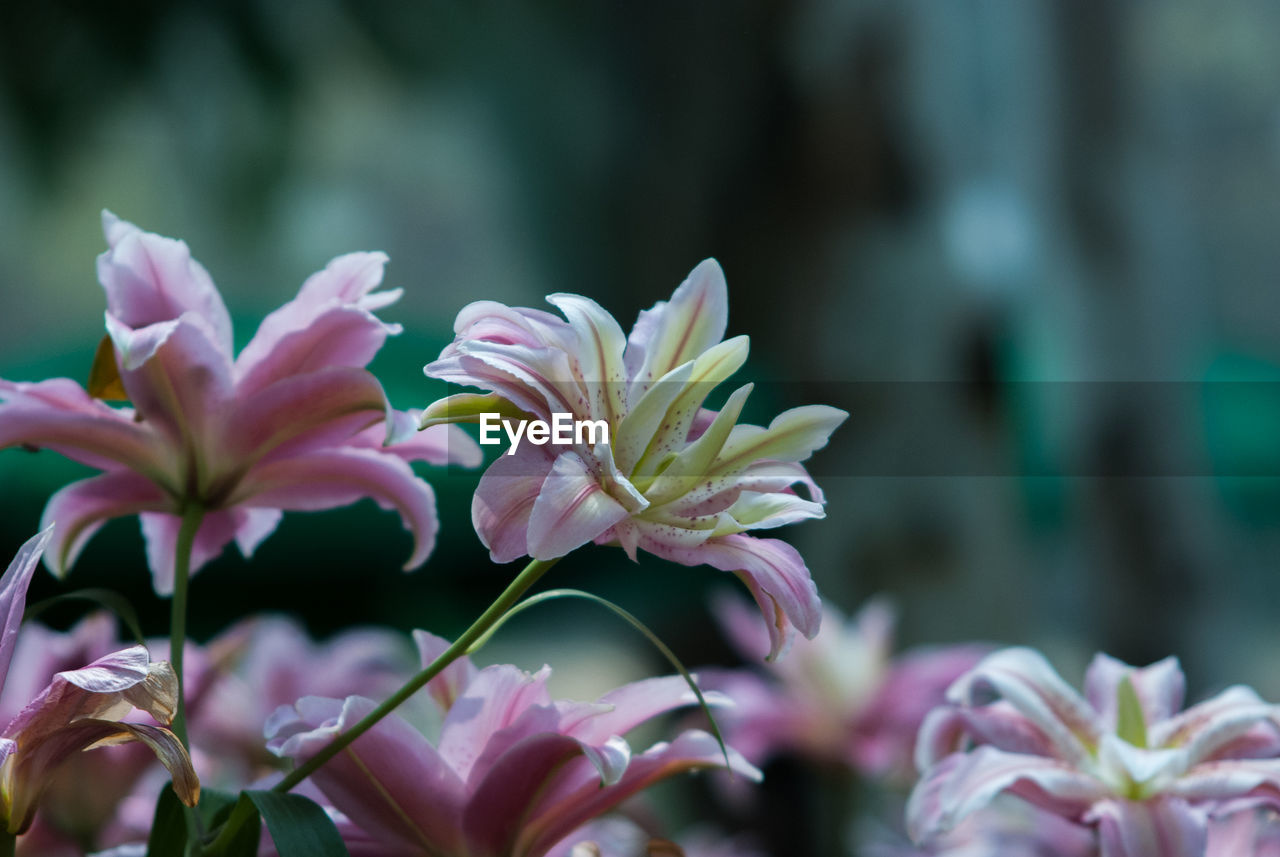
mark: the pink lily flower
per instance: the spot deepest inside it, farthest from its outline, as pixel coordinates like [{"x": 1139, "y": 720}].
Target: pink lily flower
[
  {"x": 1123, "y": 759},
  {"x": 840, "y": 698},
  {"x": 79, "y": 710},
  {"x": 294, "y": 422},
  {"x": 513, "y": 772},
  {"x": 674, "y": 479}
]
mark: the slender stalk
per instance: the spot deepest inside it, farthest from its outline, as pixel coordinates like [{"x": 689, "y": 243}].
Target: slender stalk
[
  {"x": 8, "y": 844},
  {"x": 191, "y": 518},
  {"x": 534, "y": 570}
]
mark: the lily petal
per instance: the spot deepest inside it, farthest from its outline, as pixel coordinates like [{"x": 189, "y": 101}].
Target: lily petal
[
  {"x": 13, "y": 594},
  {"x": 1160, "y": 687},
  {"x": 497, "y": 697},
  {"x": 504, "y": 499},
  {"x": 571, "y": 509},
  {"x": 389, "y": 781},
  {"x": 676, "y": 331},
  {"x": 448, "y": 686},
  {"x": 58, "y": 414},
  {"x": 773, "y": 571},
  {"x": 81, "y": 508},
  {"x": 248, "y": 527},
  {"x": 328, "y": 478},
  {"x": 149, "y": 278},
  {"x": 330, "y": 323},
  {"x": 1168, "y": 827}
]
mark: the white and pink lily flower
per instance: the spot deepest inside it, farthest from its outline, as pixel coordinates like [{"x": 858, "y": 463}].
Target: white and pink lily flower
[
  {"x": 512, "y": 773},
  {"x": 295, "y": 422},
  {"x": 79, "y": 709},
  {"x": 674, "y": 479},
  {"x": 1123, "y": 759}
]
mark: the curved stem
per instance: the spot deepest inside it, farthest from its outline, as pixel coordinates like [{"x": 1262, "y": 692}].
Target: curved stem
[
  {"x": 191, "y": 518},
  {"x": 534, "y": 570}
]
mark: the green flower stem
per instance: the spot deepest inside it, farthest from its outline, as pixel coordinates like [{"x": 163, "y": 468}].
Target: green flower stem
[
  {"x": 534, "y": 570},
  {"x": 191, "y": 518},
  {"x": 8, "y": 844}
]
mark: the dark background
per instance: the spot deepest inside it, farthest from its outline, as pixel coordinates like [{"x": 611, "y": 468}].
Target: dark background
[{"x": 1027, "y": 245}]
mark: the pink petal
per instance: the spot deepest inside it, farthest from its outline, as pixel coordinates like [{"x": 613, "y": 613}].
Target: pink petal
[
  {"x": 79, "y": 509},
  {"x": 1206, "y": 717},
  {"x": 773, "y": 571},
  {"x": 176, "y": 377},
  {"x": 964, "y": 783},
  {"x": 577, "y": 796},
  {"x": 160, "y": 530},
  {"x": 389, "y": 781},
  {"x": 150, "y": 279},
  {"x": 1024, "y": 679},
  {"x": 504, "y": 500},
  {"x": 1227, "y": 780},
  {"x": 304, "y": 412},
  {"x": 1160, "y": 687},
  {"x": 599, "y": 354},
  {"x": 329, "y": 478},
  {"x": 571, "y": 509},
  {"x": 450, "y": 684},
  {"x": 58, "y": 414},
  {"x": 676, "y": 331},
  {"x": 13, "y": 594},
  {"x": 537, "y": 380},
  {"x": 1167, "y": 827},
  {"x": 329, "y": 323},
  {"x": 493, "y": 701},
  {"x": 632, "y": 704},
  {"x": 440, "y": 445}
]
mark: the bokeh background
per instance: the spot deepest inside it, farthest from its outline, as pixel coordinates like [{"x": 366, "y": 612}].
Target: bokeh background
[{"x": 1030, "y": 246}]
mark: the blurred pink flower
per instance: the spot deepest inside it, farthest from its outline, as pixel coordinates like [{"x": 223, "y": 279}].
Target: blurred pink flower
[
  {"x": 512, "y": 773},
  {"x": 79, "y": 709},
  {"x": 675, "y": 480},
  {"x": 1123, "y": 759},
  {"x": 294, "y": 422},
  {"x": 841, "y": 698},
  {"x": 1007, "y": 828}
]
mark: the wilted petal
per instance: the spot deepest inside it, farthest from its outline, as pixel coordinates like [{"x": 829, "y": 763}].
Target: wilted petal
[
  {"x": 82, "y": 507},
  {"x": 1163, "y": 826},
  {"x": 1160, "y": 687},
  {"x": 13, "y": 594},
  {"x": 328, "y": 478},
  {"x": 390, "y": 781},
  {"x": 677, "y": 331},
  {"x": 58, "y": 414},
  {"x": 571, "y": 509},
  {"x": 149, "y": 278},
  {"x": 504, "y": 499}
]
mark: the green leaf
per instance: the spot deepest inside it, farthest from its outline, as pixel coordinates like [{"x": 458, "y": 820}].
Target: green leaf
[
  {"x": 168, "y": 827},
  {"x": 298, "y": 826},
  {"x": 554, "y": 594},
  {"x": 1131, "y": 725},
  {"x": 107, "y": 598}
]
